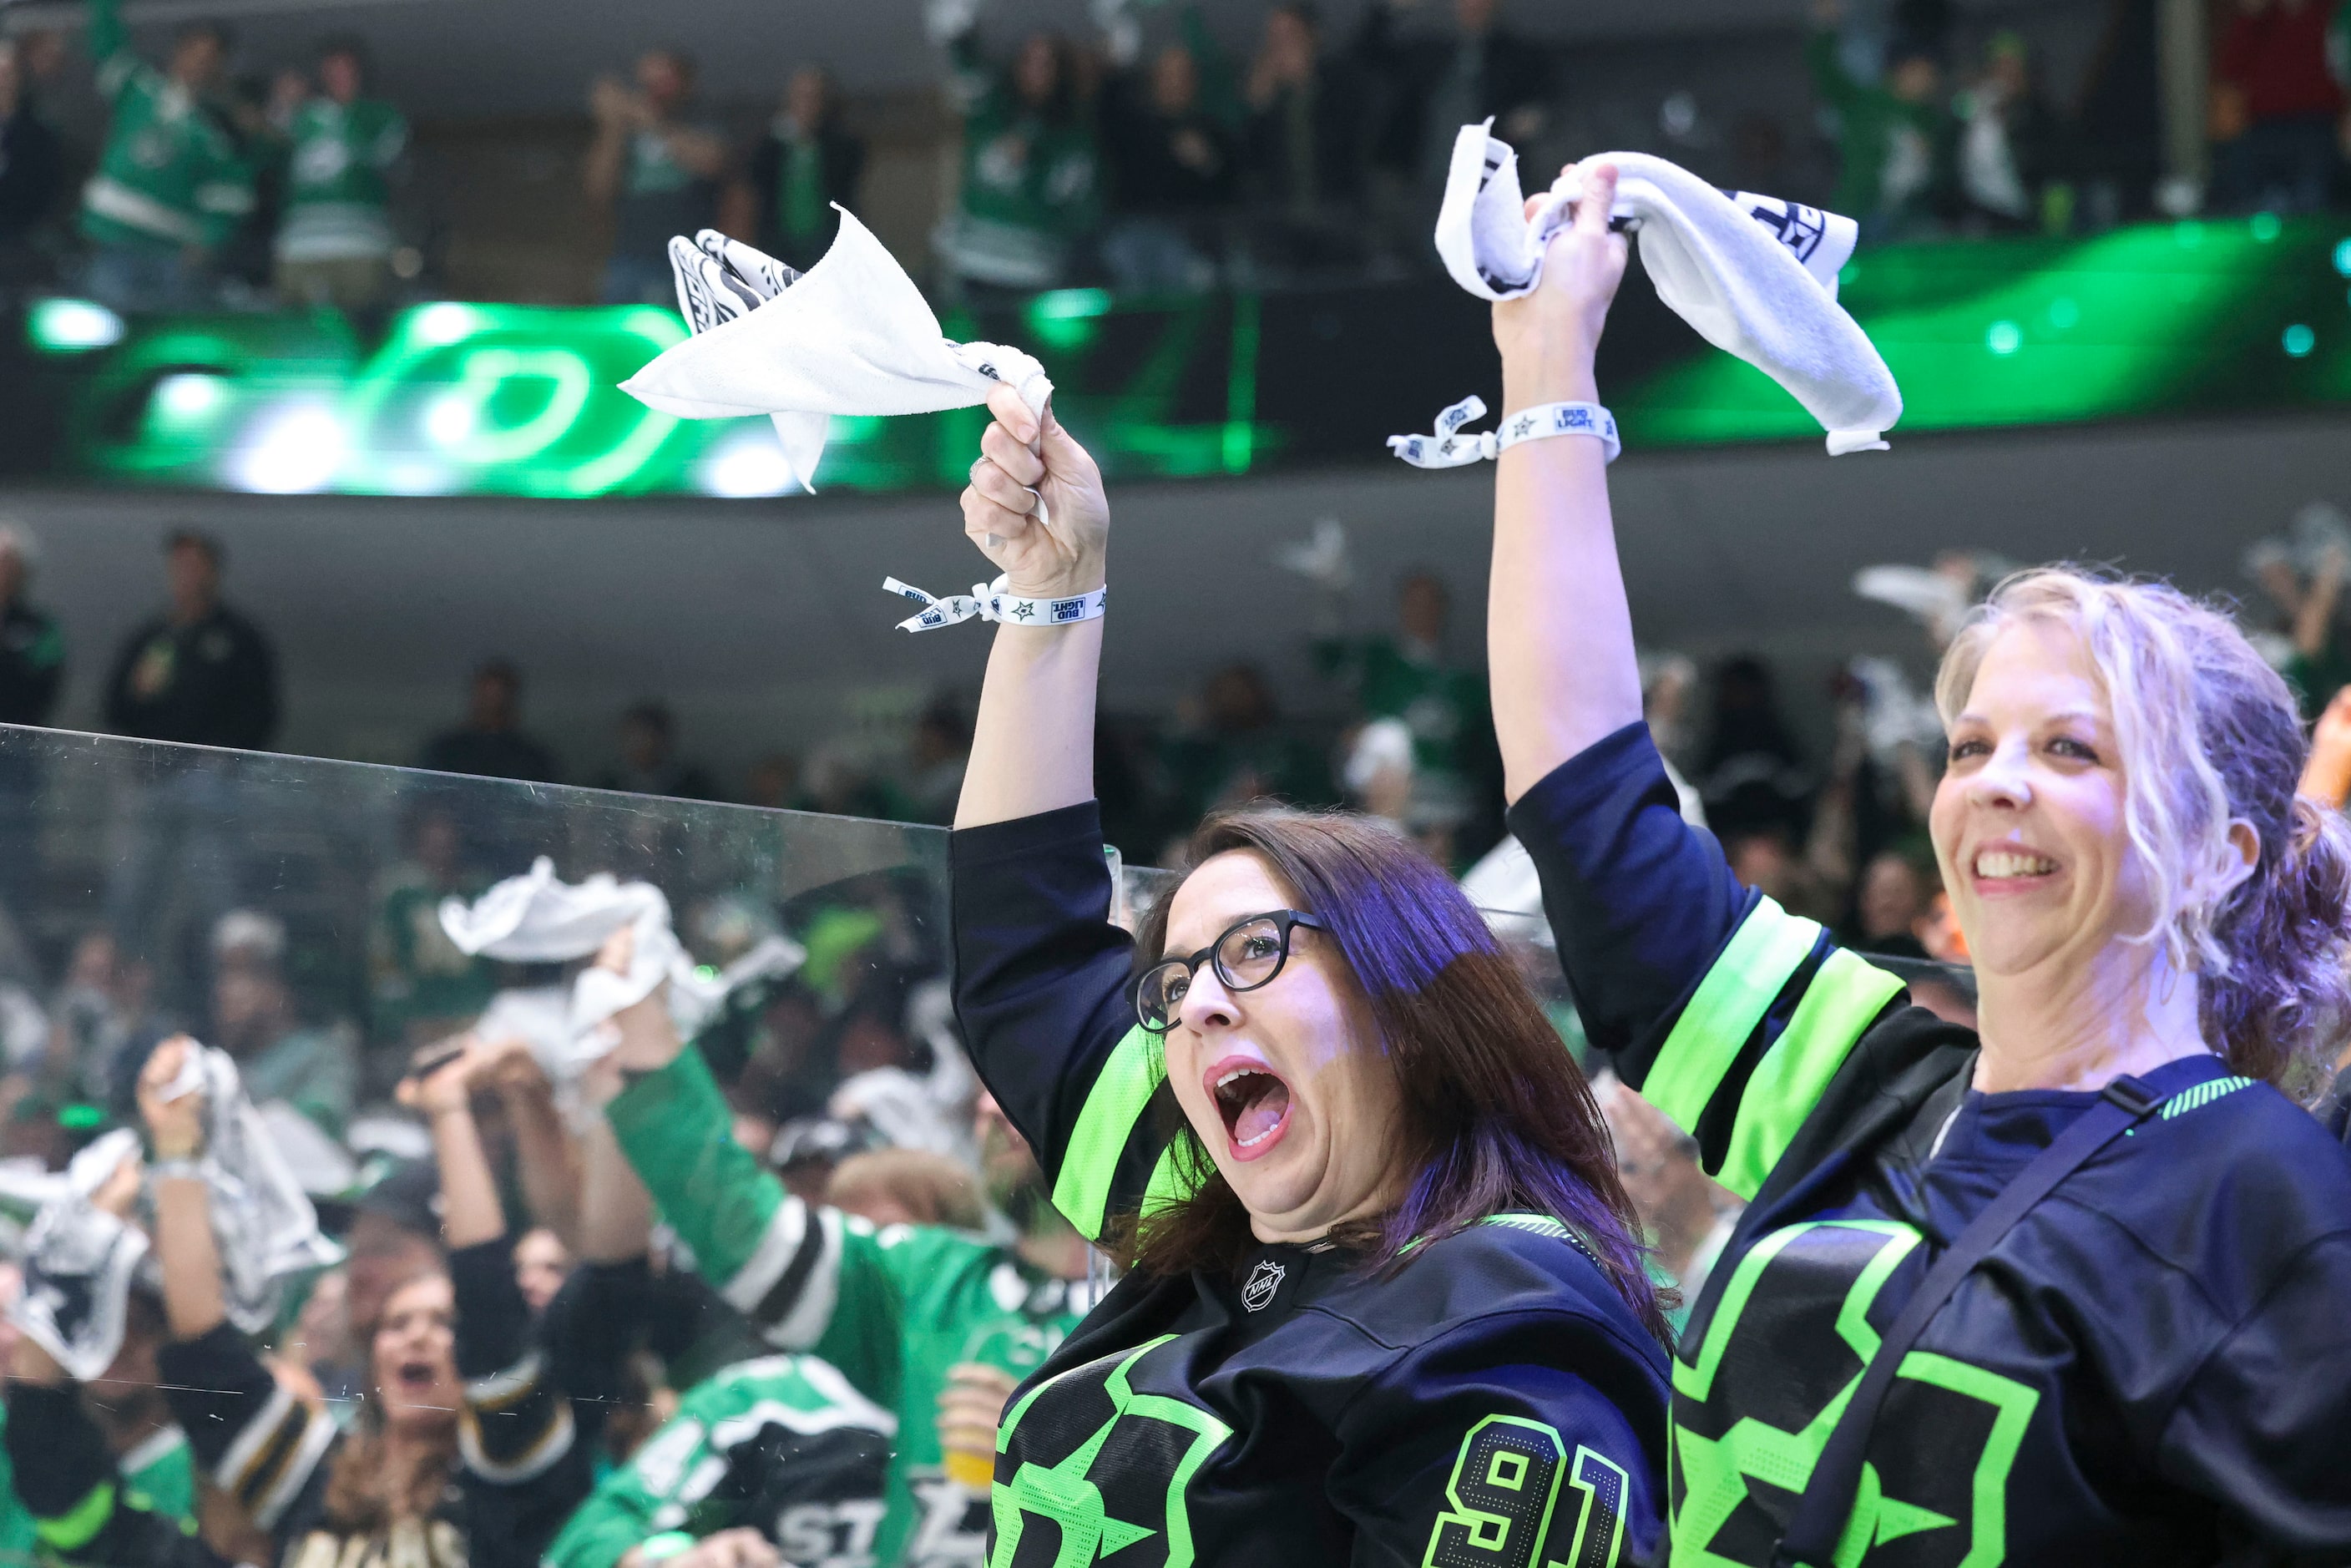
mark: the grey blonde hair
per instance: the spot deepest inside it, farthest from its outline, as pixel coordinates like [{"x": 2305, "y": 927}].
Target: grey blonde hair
[{"x": 2208, "y": 735}]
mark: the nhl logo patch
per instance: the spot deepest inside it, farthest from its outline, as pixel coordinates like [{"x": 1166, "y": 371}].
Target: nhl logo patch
[{"x": 1263, "y": 1282}]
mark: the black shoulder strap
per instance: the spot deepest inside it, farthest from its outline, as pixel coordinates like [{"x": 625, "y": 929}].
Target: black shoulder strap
[{"x": 1827, "y": 1500}]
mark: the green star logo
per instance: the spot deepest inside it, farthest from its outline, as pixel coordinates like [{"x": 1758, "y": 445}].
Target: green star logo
[{"x": 1142, "y": 1431}]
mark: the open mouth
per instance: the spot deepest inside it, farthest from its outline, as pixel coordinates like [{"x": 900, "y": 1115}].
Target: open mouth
[
  {"x": 1254, "y": 1103},
  {"x": 416, "y": 1378}
]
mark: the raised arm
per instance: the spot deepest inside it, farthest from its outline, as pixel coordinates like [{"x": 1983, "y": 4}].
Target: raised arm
[
  {"x": 471, "y": 1213},
  {"x": 1695, "y": 986},
  {"x": 184, "y": 1247},
  {"x": 1032, "y": 746},
  {"x": 254, "y": 1439},
  {"x": 549, "y": 1158},
  {"x": 1558, "y": 633}
]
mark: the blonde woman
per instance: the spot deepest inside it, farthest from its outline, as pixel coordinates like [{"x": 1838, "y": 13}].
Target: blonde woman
[{"x": 2113, "y": 1252}]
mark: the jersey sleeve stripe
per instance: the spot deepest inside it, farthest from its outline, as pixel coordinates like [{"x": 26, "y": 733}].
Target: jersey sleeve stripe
[
  {"x": 1114, "y": 1111},
  {"x": 1768, "y": 948},
  {"x": 1845, "y": 998},
  {"x": 781, "y": 1252},
  {"x": 318, "y": 1436},
  {"x": 555, "y": 1435},
  {"x": 812, "y": 1286}
]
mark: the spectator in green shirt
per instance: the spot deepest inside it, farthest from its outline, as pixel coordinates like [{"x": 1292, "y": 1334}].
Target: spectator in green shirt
[
  {"x": 1896, "y": 138},
  {"x": 335, "y": 242},
  {"x": 1032, "y": 175},
  {"x": 172, "y": 182}
]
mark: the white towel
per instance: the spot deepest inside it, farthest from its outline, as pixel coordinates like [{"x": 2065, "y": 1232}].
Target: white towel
[
  {"x": 80, "y": 1261},
  {"x": 541, "y": 918},
  {"x": 263, "y": 1222},
  {"x": 851, "y": 335},
  {"x": 1756, "y": 276}
]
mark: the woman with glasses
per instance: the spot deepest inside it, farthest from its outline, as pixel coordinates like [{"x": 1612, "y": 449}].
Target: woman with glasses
[{"x": 1384, "y": 1303}]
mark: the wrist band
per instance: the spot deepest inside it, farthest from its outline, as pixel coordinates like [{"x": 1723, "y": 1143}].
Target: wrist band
[
  {"x": 993, "y": 601},
  {"x": 1449, "y": 448},
  {"x": 176, "y": 1170}
]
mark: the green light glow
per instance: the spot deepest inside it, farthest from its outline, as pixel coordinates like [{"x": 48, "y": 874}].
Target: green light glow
[
  {"x": 1064, "y": 318},
  {"x": 2158, "y": 319},
  {"x": 78, "y": 326},
  {"x": 524, "y": 400}
]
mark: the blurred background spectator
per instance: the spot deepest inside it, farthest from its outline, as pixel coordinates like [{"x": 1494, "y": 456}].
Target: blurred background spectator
[
  {"x": 805, "y": 162},
  {"x": 2278, "y": 105},
  {"x": 654, "y": 167},
  {"x": 199, "y": 673},
  {"x": 175, "y": 181},
  {"x": 1032, "y": 164},
  {"x": 32, "y": 173},
  {"x": 335, "y": 242},
  {"x": 1177, "y": 167},
  {"x": 648, "y": 763},
  {"x": 490, "y": 743}
]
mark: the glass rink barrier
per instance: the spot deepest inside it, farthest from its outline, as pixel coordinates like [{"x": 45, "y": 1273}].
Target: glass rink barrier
[
  {"x": 278, "y": 945},
  {"x": 408, "y": 1170}
]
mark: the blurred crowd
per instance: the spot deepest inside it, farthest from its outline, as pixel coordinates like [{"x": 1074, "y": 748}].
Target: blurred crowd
[
  {"x": 1154, "y": 157},
  {"x": 420, "y": 1084}
]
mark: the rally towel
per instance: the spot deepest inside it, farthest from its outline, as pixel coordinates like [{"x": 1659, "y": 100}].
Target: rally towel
[
  {"x": 851, "y": 335},
  {"x": 81, "y": 1259},
  {"x": 263, "y": 1222},
  {"x": 1756, "y": 276},
  {"x": 540, "y": 918}
]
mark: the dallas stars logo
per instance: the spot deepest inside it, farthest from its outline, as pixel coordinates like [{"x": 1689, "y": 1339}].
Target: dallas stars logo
[{"x": 1117, "y": 1487}]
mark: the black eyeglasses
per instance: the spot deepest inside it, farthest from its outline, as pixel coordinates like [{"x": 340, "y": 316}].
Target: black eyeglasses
[{"x": 1248, "y": 955}]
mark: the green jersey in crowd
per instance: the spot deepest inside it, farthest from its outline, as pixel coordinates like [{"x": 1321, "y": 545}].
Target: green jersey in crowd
[
  {"x": 782, "y": 1445},
  {"x": 336, "y": 192},
  {"x": 171, "y": 176},
  {"x": 162, "y": 1468},
  {"x": 893, "y": 1308},
  {"x": 157, "y": 1469}
]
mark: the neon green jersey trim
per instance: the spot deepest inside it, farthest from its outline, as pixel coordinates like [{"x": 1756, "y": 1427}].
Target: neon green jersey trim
[
  {"x": 1838, "y": 1006},
  {"x": 1769, "y": 946},
  {"x": 1121, "y": 1093}
]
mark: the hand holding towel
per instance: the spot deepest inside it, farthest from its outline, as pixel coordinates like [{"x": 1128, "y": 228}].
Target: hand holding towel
[
  {"x": 541, "y": 918},
  {"x": 1755, "y": 276}
]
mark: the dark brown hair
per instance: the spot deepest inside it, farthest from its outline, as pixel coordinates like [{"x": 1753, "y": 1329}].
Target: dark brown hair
[
  {"x": 358, "y": 1498},
  {"x": 1498, "y": 1117}
]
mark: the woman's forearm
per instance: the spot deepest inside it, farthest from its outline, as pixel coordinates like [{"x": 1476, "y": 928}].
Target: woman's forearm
[
  {"x": 193, "y": 1300},
  {"x": 1559, "y": 633},
  {"x": 549, "y": 1161},
  {"x": 471, "y": 1213},
  {"x": 616, "y": 1213},
  {"x": 1032, "y": 747}
]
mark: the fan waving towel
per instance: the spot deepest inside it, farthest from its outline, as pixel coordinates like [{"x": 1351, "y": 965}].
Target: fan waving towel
[
  {"x": 541, "y": 918},
  {"x": 1755, "y": 276},
  {"x": 851, "y": 335}
]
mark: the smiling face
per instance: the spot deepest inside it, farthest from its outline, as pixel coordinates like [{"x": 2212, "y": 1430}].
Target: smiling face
[
  {"x": 1285, "y": 1084},
  {"x": 2028, "y": 822},
  {"x": 413, "y": 1355}
]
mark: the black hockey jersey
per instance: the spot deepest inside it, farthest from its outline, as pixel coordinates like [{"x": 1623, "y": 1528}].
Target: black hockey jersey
[
  {"x": 1492, "y": 1402},
  {"x": 2153, "y": 1367}
]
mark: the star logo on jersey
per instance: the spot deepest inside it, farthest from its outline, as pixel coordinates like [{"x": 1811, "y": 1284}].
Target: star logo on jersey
[
  {"x": 1098, "y": 1469},
  {"x": 1933, "y": 1496},
  {"x": 1257, "y": 1291}
]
